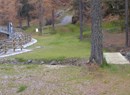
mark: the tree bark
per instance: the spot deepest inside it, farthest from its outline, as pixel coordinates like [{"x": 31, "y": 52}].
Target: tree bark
[
  {"x": 20, "y": 23},
  {"x": 127, "y": 23},
  {"x": 96, "y": 35},
  {"x": 81, "y": 18},
  {"x": 40, "y": 16},
  {"x": 53, "y": 20},
  {"x": 28, "y": 21}
]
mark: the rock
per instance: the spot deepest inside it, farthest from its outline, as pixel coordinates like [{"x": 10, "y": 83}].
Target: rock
[
  {"x": 53, "y": 63},
  {"x": 59, "y": 62},
  {"x": 37, "y": 47},
  {"x": 29, "y": 61},
  {"x": 123, "y": 52},
  {"x": 128, "y": 55},
  {"x": 66, "y": 20},
  {"x": 42, "y": 62}
]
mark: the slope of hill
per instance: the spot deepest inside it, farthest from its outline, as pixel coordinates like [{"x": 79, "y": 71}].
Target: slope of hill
[{"x": 8, "y": 10}]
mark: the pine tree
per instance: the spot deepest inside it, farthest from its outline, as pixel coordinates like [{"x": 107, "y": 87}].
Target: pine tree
[{"x": 96, "y": 36}]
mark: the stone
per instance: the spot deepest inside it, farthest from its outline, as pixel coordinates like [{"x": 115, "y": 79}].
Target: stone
[
  {"x": 53, "y": 63},
  {"x": 59, "y": 62},
  {"x": 37, "y": 47},
  {"x": 128, "y": 55},
  {"x": 29, "y": 61},
  {"x": 42, "y": 62},
  {"x": 123, "y": 52}
]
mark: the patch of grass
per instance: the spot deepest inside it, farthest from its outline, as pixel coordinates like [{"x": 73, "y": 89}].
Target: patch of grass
[
  {"x": 21, "y": 88},
  {"x": 31, "y": 29},
  {"x": 105, "y": 64},
  {"x": 121, "y": 70},
  {"x": 7, "y": 69},
  {"x": 64, "y": 44},
  {"x": 21, "y": 60},
  {"x": 114, "y": 26},
  {"x": 31, "y": 66}
]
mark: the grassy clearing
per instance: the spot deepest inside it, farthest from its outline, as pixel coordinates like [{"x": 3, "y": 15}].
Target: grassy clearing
[
  {"x": 64, "y": 43},
  {"x": 34, "y": 79}
]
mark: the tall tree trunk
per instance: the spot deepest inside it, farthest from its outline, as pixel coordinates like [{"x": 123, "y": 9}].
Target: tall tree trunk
[
  {"x": 40, "y": 16},
  {"x": 127, "y": 23},
  {"x": 28, "y": 21},
  {"x": 20, "y": 22},
  {"x": 53, "y": 19},
  {"x": 96, "y": 36},
  {"x": 81, "y": 18}
]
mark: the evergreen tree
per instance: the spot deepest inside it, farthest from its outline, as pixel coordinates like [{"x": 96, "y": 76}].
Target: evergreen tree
[{"x": 96, "y": 36}]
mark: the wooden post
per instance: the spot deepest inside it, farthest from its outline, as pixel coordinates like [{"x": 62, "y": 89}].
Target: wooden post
[
  {"x": 14, "y": 44},
  {"x": 21, "y": 44},
  {"x": 5, "y": 47}
]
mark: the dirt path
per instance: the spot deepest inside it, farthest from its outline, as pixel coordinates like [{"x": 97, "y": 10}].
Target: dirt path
[{"x": 66, "y": 20}]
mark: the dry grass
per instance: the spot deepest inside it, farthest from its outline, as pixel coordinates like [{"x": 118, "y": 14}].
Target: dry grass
[{"x": 64, "y": 80}]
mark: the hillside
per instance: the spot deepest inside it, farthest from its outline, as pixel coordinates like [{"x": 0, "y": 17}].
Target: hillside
[{"x": 8, "y": 10}]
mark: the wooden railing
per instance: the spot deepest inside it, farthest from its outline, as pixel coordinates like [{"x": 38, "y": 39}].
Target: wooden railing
[{"x": 14, "y": 43}]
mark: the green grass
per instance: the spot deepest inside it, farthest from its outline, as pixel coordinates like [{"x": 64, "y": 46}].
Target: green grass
[
  {"x": 113, "y": 26},
  {"x": 64, "y": 43},
  {"x": 22, "y": 88},
  {"x": 69, "y": 80}
]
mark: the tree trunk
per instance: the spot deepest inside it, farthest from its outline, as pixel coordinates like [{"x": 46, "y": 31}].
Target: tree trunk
[
  {"x": 96, "y": 36},
  {"x": 127, "y": 24},
  {"x": 81, "y": 18},
  {"x": 20, "y": 22},
  {"x": 28, "y": 21},
  {"x": 53, "y": 20},
  {"x": 40, "y": 16}
]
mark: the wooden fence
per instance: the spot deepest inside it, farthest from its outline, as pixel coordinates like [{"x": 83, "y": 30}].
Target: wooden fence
[{"x": 14, "y": 43}]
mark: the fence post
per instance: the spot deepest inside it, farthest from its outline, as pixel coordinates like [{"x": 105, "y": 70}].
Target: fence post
[
  {"x": 21, "y": 43},
  {"x": 14, "y": 44},
  {"x": 5, "y": 47}
]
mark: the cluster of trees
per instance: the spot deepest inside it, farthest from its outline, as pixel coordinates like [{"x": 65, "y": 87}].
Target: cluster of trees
[
  {"x": 23, "y": 11},
  {"x": 7, "y": 11},
  {"x": 114, "y": 7}
]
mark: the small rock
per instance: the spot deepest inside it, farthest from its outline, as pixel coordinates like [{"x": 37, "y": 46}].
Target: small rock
[
  {"x": 38, "y": 47},
  {"x": 59, "y": 62},
  {"x": 123, "y": 52},
  {"x": 29, "y": 61},
  {"x": 42, "y": 62},
  {"x": 128, "y": 55},
  {"x": 53, "y": 63}
]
